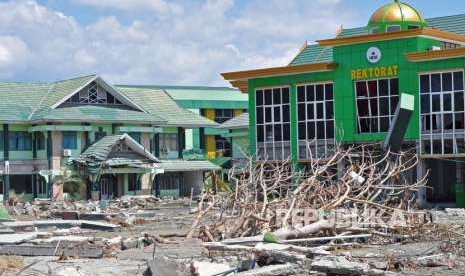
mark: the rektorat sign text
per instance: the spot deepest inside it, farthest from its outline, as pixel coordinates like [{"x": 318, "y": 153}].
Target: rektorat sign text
[{"x": 375, "y": 72}]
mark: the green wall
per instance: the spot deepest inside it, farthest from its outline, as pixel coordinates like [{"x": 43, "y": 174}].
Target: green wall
[{"x": 348, "y": 58}]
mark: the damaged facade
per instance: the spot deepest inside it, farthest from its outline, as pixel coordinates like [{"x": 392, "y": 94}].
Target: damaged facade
[
  {"x": 120, "y": 140},
  {"x": 345, "y": 90}
]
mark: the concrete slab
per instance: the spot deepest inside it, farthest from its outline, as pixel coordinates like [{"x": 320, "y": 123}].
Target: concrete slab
[
  {"x": 82, "y": 251},
  {"x": 17, "y": 238},
  {"x": 61, "y": 224}
]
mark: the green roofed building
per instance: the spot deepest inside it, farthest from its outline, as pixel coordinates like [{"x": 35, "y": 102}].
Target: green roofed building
[
  {"x": 120, "y": 141},
  {"x": 346, "y": 90}
]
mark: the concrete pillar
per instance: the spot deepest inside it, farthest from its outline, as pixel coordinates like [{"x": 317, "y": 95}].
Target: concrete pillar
[
  {"x": 181, "y": 141},
  {"x": 421, "y": 195},
  {"x": 202, "y": 138},
  {"x": 6, "y": 157},
  {"x": 156, "y": 144},
  {"x": 50, "y": 161}
]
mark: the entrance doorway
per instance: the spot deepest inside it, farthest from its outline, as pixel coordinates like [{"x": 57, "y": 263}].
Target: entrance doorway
[{"x": 443, "y": 175}]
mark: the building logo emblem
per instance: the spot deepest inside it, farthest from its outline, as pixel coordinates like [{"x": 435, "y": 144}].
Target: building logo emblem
[{"x": 374, "y": 54}]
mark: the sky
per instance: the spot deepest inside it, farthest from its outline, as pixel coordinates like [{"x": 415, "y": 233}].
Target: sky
[{"x": 170, "y": 42}]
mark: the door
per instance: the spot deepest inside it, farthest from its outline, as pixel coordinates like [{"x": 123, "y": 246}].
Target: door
[{"x": 104, "y": 188}]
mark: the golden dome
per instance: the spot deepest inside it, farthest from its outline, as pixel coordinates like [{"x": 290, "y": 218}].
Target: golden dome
[{"x": 397, "y": 13}]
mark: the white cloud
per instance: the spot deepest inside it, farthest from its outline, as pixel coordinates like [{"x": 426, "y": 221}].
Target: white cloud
[{"x": 212, "y": 36}]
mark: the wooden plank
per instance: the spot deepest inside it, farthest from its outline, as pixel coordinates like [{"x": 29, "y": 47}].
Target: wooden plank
[{"x": 82, "y": 251}]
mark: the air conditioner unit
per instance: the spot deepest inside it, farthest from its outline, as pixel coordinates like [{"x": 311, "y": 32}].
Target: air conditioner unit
[
  {"x": 435, "y": 48},
  {"x": 66, "y": 153}
]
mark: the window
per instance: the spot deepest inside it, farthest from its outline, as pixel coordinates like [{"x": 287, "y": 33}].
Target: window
[
  {"x": 442, "y": 102},
  {"x": 223, "y": 147},
  {"x": 273, "y": 123},
  {"x": 412, "y": 27},
  {"x": 20, "y": 141},
  {"x": 375, "y": 30},
  {"x": 376, "y": 104},
  {"x": 135, "y": 136},
  {"x": 392, "y": 28},
  {"x": 168, "y": 142},
  {"x": 40, "y": 141},
  {"x": 450, "y": 45},
  {"x": 93, "y": 94},
  {"x": 315, "y": 114},
  {"x": 69, "y": 140},
  {"x": 222, "y": 115}
]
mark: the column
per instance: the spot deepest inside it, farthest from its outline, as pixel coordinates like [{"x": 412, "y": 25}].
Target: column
[
  {"x": 49, "y": 160},
  {"x": 181, "y": 141},
  {"x": 6, "y": 157}
]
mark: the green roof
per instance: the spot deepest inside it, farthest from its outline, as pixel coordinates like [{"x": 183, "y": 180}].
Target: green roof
[
  {"x": 197, "y": 97},
  {"x": 158, "y": 102},
  {"x": 314, "y": 53},
  {"x": 92, "y": 113},
  {"x": 179, "y": 165},
  {"x": 238, "y": 122}
]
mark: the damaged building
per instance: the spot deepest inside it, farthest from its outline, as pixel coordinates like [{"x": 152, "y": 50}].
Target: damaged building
[
  {"x": 119, "y": 140},
  {"x": 346, "y": 90}
]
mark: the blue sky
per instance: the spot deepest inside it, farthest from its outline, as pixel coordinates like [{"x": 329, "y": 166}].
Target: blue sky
[{"x": 182, "y": 42}]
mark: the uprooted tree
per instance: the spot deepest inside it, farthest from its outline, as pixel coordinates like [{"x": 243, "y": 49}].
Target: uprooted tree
[{"x": 373, "y": 185}]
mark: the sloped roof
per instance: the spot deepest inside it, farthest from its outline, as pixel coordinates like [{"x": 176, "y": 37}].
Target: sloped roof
[
  {"x": 314, "y": 53},
  {"x": 203, "y": 96},
  {"x": 179, "y": 165},
  {"x": 92, "y": 113},
  {"x": 238, "y": 122},
  {"x": 99, "y": 152},
  {"x": 158, "y": 102}
]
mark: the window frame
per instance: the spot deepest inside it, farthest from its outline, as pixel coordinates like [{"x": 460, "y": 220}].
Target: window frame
[
  {"x": 23, "y": 141},
  {"x": 270, "y": 149},
  {"x": 71, "y": 142},
  {"x": 313, "y": 147},
  {"x": 432, "y": 136},
  {"x": 378, "y": 116},
  {"x": 220, "y": 116}
]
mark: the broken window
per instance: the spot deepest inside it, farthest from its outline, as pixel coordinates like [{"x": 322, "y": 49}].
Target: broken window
[
  {"x": 442, "y": 112},
  {"x": 315, "y": 114},
  {"x": 376, "y": 104},
  {"x": 273, "y": 123}
]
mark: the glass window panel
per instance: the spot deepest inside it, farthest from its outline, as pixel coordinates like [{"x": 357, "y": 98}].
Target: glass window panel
[
  {"x": 319, "y": 111},
  {"x": 286, "y": 114},
  {"x": 384, "y": 87},
  {"x": 447, "y": 82},
  {"x": 364, "y": 125},
  {"x": 384, "y": 123},
  {"x": 276, "y": 96},
  {"x": 394, "y": 102},
  {"x": 269, "y": 133},
  {"x": 302, "y": 131},
  {"x": 435, "y": 82},
  {"x": 459, "y": 120},
  {"x": 361, "y": 89},
  {"x": 268, "y": 116},
  {"x": 460, "y": 142},
  {"x": 424, "y": 84},
  {"x": 301, "y": 112},
  {"x": 436, "y": 121},
  {"x": 330, "y": 130},
  {"x": 278, "y": 133},
  {"x": 259, "y": 115},
  {"x": 458, "y": 81},
  {"x": 268, "y": 97},
  {"x": 319, "y": 92},
  {"x": 301, "y": 93},
  {"x": 447, "y": 102},
  {"x": 362, "y": 107},
  {"x": 69, "y": 139},
  {"x": 426, "y": 123},
  {"x": 426, "y": 146},
  {"x": 448, "y": 121},
  {"x": 320, "y": 130},
  {"x": 285, "y": 95},
  {"x": 448, "y": 146},
  {"x": 374, "y": 107},
  {"x": 286, "y": 132},
  {"x": 310, "y": 111},
  {"x": 458, "y": 101},
  {"x": 384, "y": 106},
  {"x": 329, "y": 110},
  {"x": 425, "y": 104},
  {"x": 329, "y": 91},
  {"x": 374, "y": 125},
  {"x": 277, "y": 114},
  {"x": 394, "y": 86},
  {"x": 260, "y": 136},
  {"x": 311, "y": 131},
  {"x": 436, "y": 103},
  {"x": 310, "y": 93},
  {"x": 373, "y": 89}
]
